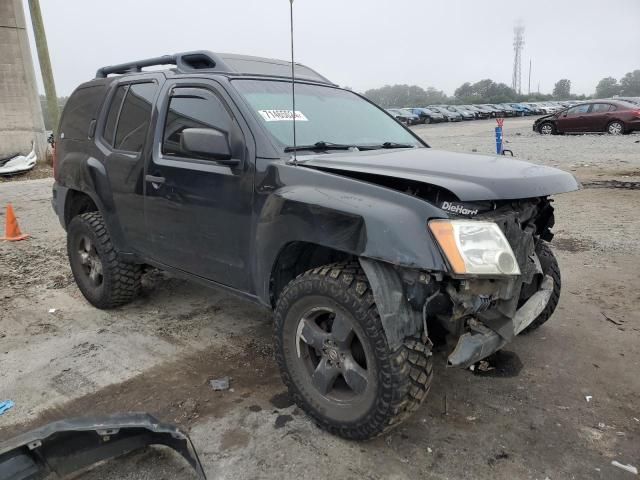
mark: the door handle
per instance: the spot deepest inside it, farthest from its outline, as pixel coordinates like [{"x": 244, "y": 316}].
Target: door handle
[{"x": 153, "y": 179}]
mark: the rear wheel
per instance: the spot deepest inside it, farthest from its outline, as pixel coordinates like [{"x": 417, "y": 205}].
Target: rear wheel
[
  {"x": 427, "y": 120},
  {"x": 104, "y": 280},
  {"x": 547, "y": 128},
  {"x": 615, "y": 128},
  {"x": 334, "y": 357}
]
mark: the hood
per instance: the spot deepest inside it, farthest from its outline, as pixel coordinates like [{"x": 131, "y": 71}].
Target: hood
[
  {"x": 470, "y": 177},
  {"x": 546, "y": 117}
]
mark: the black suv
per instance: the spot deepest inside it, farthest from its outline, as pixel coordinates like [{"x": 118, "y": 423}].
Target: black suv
[{"x": 367, "y": 244}]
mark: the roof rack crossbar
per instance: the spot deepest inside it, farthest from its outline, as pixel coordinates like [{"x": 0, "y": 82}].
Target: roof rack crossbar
[{"x": 136, "y": 66}]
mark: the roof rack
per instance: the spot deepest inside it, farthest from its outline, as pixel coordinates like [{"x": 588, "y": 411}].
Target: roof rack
[
  {"x": 184, "y": 62},
  {"x": 205, "y": 61}
]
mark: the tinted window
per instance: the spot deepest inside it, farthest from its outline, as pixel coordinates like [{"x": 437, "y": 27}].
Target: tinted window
[
  {"x": 81, "y": 108},
  {"x": 112, "y": 116},
  {"x": 600, "y": 107},
  {"x": 195, "y": 108},
  {"x": 135, "y": 117},
  {"x": 580, "y": 109}
]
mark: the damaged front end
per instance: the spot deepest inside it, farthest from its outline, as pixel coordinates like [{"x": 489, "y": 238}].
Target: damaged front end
[
  {"x": 484, "y": 312},
  {"x": 476, "y": 311},
  {"x": 69, "y": 446}
]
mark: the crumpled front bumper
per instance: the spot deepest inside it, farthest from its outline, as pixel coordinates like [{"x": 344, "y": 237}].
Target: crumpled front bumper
[
  {"x": 481, "y": 341},
  {"x": 68, "y": 446}
]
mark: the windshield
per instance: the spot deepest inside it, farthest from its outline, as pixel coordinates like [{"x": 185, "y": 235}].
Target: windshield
[{"x": 323, "y": 114}]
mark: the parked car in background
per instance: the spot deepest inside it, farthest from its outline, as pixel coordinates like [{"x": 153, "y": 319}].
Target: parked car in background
[
  {"x": 537, "y": 109},
  {"x": 466, "y": 114},
  {"x": 426, "y": 115},
  {"x": 615, "y": 117},
  {"x": 634, "y": 100},
  {"x": 497, "y": 112},
  {"x": 449, "y": 115},
  {"x": 478, "y": 111},
  {"x": 403, "y": 116},
  {"x": 521, "y": 110}
]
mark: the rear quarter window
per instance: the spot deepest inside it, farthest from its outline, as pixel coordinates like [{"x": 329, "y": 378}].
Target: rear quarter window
[{"x": 82, "y": 107}]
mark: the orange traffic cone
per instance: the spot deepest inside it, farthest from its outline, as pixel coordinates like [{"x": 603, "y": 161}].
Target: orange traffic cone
[{"x": 12, "y": 230}]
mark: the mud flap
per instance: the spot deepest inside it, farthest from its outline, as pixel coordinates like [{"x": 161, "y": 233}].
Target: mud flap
[
  {"x": 399, "y": 320},
  {"x": 67, "y": 446}
]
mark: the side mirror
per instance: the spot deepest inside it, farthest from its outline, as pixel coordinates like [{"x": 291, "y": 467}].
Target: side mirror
[{"x": 207, "y": 143}]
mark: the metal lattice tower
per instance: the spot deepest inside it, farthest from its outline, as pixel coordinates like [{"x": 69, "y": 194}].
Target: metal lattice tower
[{"x": 518, "y": 43}]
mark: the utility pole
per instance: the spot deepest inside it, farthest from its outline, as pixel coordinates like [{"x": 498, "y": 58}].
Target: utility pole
[
  {"x": 529, "y": 76},
  {"x": 518, "y": 44},
  {"x": 45, "y": 62}
]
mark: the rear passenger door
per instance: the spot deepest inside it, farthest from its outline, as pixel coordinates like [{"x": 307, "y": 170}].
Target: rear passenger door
[
  {"x": 198, "y": 211},
  {"x": 599, "y": 117},
  {"x": 124, "y": 141}
]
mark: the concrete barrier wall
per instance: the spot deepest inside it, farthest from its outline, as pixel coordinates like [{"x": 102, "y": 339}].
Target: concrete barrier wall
[{"x": 20, "y": 115}]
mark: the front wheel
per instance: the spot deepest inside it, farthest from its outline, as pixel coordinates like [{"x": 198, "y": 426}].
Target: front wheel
[
  {"x": 335, "y": 359},
  {"x": 547, "y": 128},
  {"x": 549, "y": 265}
]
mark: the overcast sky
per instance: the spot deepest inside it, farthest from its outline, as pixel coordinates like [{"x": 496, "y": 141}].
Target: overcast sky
[{"x": 358, "y": 43}]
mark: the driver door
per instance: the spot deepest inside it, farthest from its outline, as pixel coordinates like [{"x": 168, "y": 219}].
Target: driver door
[
  {"x": 198, "y": 211},
  {"x": 574, "y": 119}
]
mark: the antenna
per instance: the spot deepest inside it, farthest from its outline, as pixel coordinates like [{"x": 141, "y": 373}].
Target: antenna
[{"x": 293, "y": 86}]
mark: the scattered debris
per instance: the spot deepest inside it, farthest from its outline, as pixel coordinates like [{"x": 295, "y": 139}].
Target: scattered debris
[
  {"x": 588, "y": 398},
  {"x": 628, "y": 468},
  {"x": 636, "y": 419},
  {"x": 472, "y": 419},
  {"x": 615, "y": 322},
  {"x": 17, "y": 163},
  {"x": 52, "y": 310},
  {"x": 484, "y": 366},
  {"x": 220, "y": 383},
  {"x": 429, "y": 450},
  {"x": 5, "y": 406}
]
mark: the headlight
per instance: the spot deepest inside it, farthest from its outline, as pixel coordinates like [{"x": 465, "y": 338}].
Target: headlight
[{"x": 473, "y": 247}]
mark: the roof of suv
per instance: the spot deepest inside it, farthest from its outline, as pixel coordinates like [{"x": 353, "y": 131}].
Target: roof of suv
[{"x": 203, "y": 61}]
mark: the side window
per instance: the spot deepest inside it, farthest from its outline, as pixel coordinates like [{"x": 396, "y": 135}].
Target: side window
[
  {"x": 193, "y": 108},
  {"x": 81, "y": 108},
  {"x": 135, "y": 117},
  {"x": 600, "y": 108},
  {"x": 578, "y": 110},
  {"x": 112, "y": 116}
]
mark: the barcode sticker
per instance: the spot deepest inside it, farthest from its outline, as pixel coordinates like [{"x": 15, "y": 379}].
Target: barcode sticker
[{"x": 282, "y": 116}]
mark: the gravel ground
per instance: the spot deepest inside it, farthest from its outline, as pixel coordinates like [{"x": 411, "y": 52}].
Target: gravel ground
[{"x": 527, "y": 419}]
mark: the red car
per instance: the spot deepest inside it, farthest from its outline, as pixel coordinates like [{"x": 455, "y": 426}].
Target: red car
[{"x": 612, "y": 116}]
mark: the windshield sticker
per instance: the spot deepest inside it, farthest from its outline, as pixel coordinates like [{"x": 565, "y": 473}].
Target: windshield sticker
[{"x": 282, "y": 116}]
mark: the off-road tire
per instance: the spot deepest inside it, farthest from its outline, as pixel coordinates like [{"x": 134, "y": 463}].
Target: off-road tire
[
  {"x": 120, "y": 280},
  {"x": 550, "y": 267},
  {"x": 404, "y": 375}
]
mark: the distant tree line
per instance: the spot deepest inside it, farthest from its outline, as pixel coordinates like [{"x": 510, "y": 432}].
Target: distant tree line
[
  {"x": 488, "y": 91},
  {"x": 628, "y": 86}
]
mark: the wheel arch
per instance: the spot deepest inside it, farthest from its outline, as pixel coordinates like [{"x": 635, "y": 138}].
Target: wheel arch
[{"x": 346, "y": 217}]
